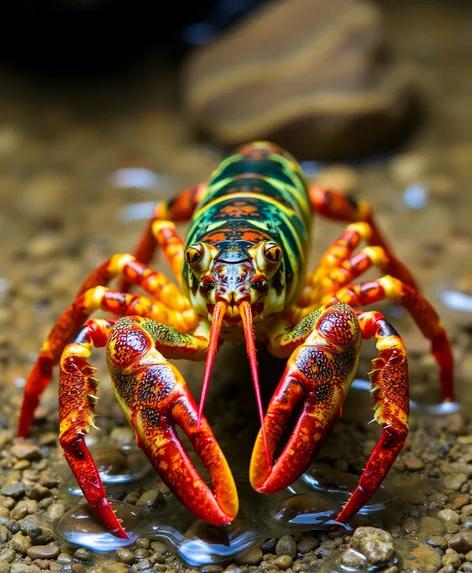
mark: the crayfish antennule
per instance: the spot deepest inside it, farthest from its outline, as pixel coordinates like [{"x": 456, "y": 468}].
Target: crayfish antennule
[
  {"x": 218, "y": 314},
  {"x": 246, "y": 315}
]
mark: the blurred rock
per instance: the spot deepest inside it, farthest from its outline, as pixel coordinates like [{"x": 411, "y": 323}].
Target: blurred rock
[{"x": 315, "y": 77}]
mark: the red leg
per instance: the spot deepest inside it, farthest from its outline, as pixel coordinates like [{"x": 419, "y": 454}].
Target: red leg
[
  {"x": 77, "y": 393},
  {"x": 420, "y": 309},
  {"x": 178, "y": 209},
  {"x": 319, "y": 372},
  {"x": 390, "y": 393},
  {"x": 340, "y": 207},
  {"x": 69, "y": 323}
]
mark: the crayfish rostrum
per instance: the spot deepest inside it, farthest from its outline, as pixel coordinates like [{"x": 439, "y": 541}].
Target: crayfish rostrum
[{"x": 241, "y": 274}]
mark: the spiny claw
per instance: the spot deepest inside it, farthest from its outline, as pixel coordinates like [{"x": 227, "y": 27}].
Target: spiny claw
[
  {"x": 310, "y": 430},
  {"x": 159, "y": 440},
  {"x": 83, "y": 467}
]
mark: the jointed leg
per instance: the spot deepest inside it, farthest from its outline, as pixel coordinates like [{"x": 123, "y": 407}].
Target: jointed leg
[
  {"x": 338, "y": 206},
  {"x": 178, "y": 209},
  {"x": 69, "y": 323},
  {"x": 420, "y": 309},
  {"x": 319, "y": 371},
  {"x": 77, "y": 394},
  {"x": 390, "y": 393}
]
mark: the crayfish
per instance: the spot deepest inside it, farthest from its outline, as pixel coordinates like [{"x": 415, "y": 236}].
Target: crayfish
[{"x": 241, "y": 275}]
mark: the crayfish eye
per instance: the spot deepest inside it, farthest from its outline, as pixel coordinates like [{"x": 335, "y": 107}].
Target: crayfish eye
[
  {"x": 194, "y": 254},
  {"x": 272, "y": 252}
]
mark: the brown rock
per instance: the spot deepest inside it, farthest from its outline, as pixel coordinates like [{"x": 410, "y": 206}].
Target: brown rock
[{"x": 306, "y": 74}]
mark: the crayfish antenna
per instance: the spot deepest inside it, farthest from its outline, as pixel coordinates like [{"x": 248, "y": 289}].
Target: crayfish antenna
[
  {"x": 246, "y": 315},
  {"x": 218, "y": 314}
]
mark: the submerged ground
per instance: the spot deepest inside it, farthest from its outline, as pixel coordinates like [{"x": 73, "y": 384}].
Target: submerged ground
[{"x": 64, "y": 151}]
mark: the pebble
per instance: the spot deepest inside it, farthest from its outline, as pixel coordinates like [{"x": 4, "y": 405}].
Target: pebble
[
  {"x": 252, "y": 556},
  {"x": 458, "y": 501},
  {"x": 20, "y": 543},
  {"x": 307, "y": 543},
  {"x": 461, "y": 542},
  {"x": 269, "y": 545},
  {"x": 15, "y": 490},
  {"x": 454, "y": 481},
  {"x": 466, "y": 510},
  {"x": 283, "y": 562},
  {"x": 7, "y": 554},
  {"x": 449, "y": 515},
  {"x": 286, "y": 545},
  {"x": 451, "y": 558},
  {"x": 413, "y": 463},
  {"x": 353, "y": 559},
  {"x": 26, "y": 451},
  {"x": 56, "y": 511},
  {"x": 125, "y": 556},
  {"x": 152, "y": 498},
  {"x": 431, "y": 526},
  {"x": 50, "y": 551},
  {"x": 374, "y": 543},
  {"x": 82, "y": 554}
]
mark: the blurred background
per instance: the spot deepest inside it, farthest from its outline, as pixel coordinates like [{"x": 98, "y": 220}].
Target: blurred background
[{"x": 106, "y": 107}]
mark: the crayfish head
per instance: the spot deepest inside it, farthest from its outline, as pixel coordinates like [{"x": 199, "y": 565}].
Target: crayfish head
[{"x": 233, "y": 275}]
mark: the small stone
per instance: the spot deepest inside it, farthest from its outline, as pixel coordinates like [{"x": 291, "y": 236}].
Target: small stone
[
  {"x": 56, "y": 511},
  {"x": 4, "y": 567},
  {"x": 15, "y": 490},
  {"x": 451, "y": 558},
  {"x": 458, "y": 501},
  {"x": 283, "y": 562},
  {"x": 125, "y": 556},
  {"x": 468, "y": 556},
  {"x": 159, "y": 547},
  {"x": 269, "y": 545},
  {"x": 449, "y": 515},
  {"x": 351, "y": 558},
  {"x": 431, "y": 526},
  {"x": 50, "y": 551},
  {"x": 454, "y": 481},
  {"x": 374, "y": 543},
  {"x": 143, "y": 543},
  {"x": 308, "y": 543},
  {"x": 466, "y": 510},
  {"x": 4, "y": 514},
  {"x": 437, "y": 541},
  {"x": 413, "y": 463},
  {"x": 286, "y": 545},
  {"x": 82, "y": 554},
  {"x": 20, "y": 543},
  {"x": 252, "y": 556},
  {"x": 38, "y": 492},
  {"x": 461, "y": 542},
  {"x": 7, "y": 554},
  {"x": 3, "y": 534},
  {"x": 211, "y": 569},
  {"x": 152, "y": 498},
  {"x": 21, "y": 465},
  {"x": 24, "y": 451}
]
